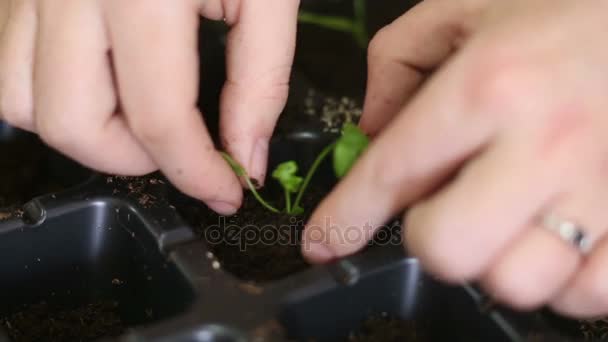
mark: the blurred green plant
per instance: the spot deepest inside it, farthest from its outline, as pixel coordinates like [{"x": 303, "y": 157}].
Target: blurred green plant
[{"x": 356, "y": 25}]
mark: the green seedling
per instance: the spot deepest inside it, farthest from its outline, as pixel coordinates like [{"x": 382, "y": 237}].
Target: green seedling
[
  {"x": 286, "y": 174},
  {"x": 346, "y": 150}
]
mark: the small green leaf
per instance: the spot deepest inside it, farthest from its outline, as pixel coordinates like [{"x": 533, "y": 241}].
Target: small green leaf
[
  {"x": 348, "y": 148},
  {"x": 285, "y": 173}
]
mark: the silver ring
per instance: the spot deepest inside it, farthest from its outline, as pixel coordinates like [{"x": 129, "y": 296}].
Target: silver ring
[{"x": 569, "y": 231}]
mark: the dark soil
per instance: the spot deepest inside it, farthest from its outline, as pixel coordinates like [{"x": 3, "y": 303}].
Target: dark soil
[
  {"x": 149, "y": 191},
  {"x": 384, "y": 328},
  {"x": 594, "y": 330},
  {"x": 47, "y": 322},
  {"x": 572, "y": 329},
  {"x": 255, "y": 244}
]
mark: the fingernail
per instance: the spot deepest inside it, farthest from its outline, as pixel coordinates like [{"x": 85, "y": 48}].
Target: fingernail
[
  {"x": 223, "y": 208},
  {"x": 258, "y": 160},
  {"x": 317, "y": 252}
]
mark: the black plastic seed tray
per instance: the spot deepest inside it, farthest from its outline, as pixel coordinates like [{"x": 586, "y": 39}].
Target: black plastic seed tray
[
  {"x": 119, "y": 258},
  {"x": 85, "y": 256}
]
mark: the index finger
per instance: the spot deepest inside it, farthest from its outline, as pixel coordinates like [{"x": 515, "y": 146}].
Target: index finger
[
  {"x": 156, "y": 60},
  {"x": 423, "y": 146},
  {"x": 260, "y": 50},
  {"x": 402, "y": 55}
]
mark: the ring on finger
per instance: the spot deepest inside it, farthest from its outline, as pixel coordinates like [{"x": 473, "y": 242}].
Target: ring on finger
[{"x": 570, "y": 231}]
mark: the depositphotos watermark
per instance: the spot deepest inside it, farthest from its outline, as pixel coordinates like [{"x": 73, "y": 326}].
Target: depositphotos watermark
[{"x": 245, "y": 236}]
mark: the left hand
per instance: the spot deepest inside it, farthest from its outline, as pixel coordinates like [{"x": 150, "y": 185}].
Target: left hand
[
  {"x": 113, "y": 84},
  {"x": 517, "y": 110}
]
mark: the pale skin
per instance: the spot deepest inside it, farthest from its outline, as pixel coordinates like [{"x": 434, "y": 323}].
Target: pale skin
[
  {"x": 514, "y": 109},
  {"x": 113, "y": 84},
  {"x": 511, "y": 124}
]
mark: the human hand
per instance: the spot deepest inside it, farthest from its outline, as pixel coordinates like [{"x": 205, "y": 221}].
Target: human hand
[
  {"x": 114, "y": 84},
  {"x": 512, "y": 125}
]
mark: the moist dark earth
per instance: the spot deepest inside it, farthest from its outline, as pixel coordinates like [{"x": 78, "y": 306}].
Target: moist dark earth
[
  {"x": 384, "y": 328},
  {"x": 255, "y": 244},
  {"x": 259, "y": 246},
  {"x": 51, "y": 322}
]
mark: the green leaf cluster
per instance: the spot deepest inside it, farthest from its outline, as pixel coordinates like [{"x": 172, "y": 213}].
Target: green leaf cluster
[{"x": 346, "y": 150}]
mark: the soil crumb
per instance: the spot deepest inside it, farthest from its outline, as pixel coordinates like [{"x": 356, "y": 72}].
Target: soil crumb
[
  {"x": 147, "y": 190},
  {"x": 385, "y": 328},
  {"x": 595, "y": 330},
  {"x": 10, "y": 213},
  {"x": 45, "y": 322}
]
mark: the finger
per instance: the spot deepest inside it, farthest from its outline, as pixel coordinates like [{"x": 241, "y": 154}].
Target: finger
[
  {"x": 586, "y": 295},
  {"x": 260, "y": 51},
  {"x": 532, "y": 270},
  {"x": 16, "y": 64},
  {"x": 75, "y": 100},
  {"x": 156, "y": 61},
  {"x": 422, "y": 147},
  {"x": 459, "y": 231},
  {"x": 404, "y": 52}
]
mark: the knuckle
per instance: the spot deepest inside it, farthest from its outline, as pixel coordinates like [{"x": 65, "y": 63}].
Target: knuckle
[
  {"x": 270, "y": 83},
  {"x": 276, "y": 89},
  {"x": 566, "y": 129},
  {"x": 500, "y": 81}
]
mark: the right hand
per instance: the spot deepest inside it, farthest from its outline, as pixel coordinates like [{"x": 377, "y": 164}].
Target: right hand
[
  {"x": 115, "y": 85},
  {"x": 510, "y": 127}
]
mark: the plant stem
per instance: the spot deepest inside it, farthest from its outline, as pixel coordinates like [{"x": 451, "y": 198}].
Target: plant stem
[
  {"x": 240, "y": 172},
  {"x": 360, "y": 23},
  {"x": 356, "y": 26},
  {"x": 331, "y": 22},
  {"x": 311, "y": 172},
  {"x": 258, "y": 197},
  {"x": 288, "y": 201}
]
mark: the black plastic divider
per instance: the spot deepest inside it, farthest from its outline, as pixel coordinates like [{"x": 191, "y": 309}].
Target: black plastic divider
[{"x": 84, "y": 252}]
